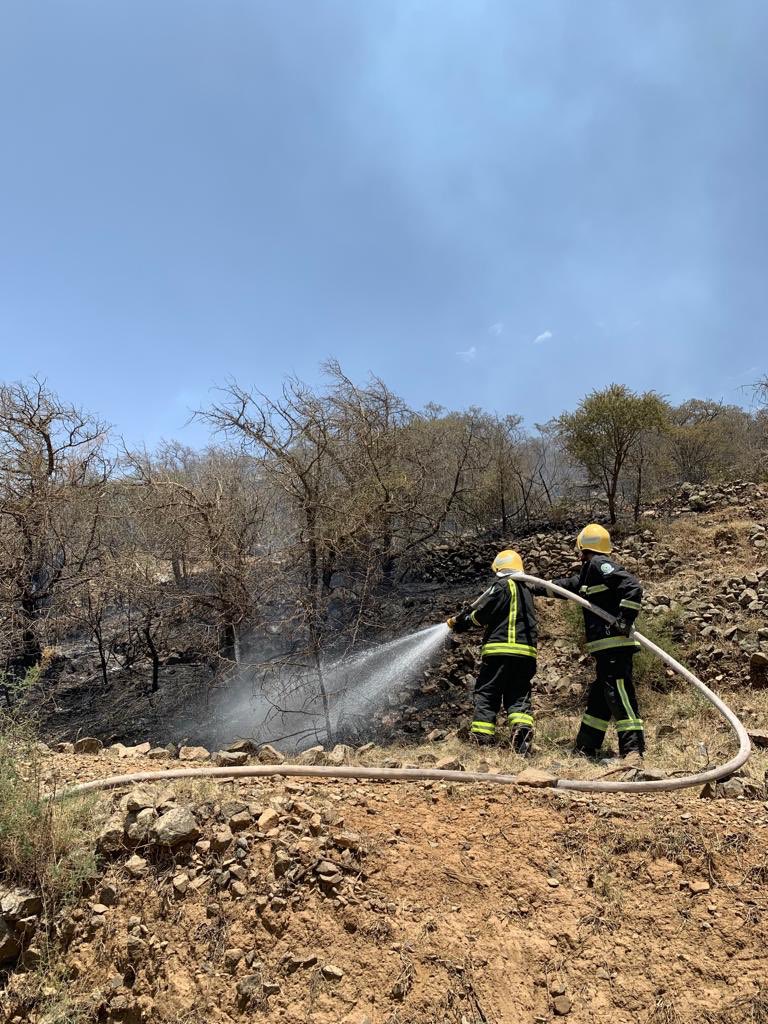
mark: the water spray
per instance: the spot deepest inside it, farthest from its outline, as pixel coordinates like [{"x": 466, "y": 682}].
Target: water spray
[
  {"x": 366, "y": 678},
  {"x": 288, "y": 704}
]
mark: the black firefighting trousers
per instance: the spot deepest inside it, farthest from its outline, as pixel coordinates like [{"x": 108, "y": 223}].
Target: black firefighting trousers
[
  {"x": 505, "y": 680},
  {"x": 612, "y": 695}
]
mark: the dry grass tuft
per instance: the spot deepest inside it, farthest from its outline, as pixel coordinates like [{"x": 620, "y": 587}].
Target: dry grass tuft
[
  {"x": 664, "y": 1012},
  {"x": 752, "y": 1010},
  {"x": 45, "y": 845}
]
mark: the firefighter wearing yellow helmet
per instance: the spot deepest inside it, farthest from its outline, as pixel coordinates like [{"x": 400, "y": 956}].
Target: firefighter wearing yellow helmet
[
  {"x": 506, "y": 612},
  {"x": 595, "y": 538},
  {"x": 605, "y": 583}
]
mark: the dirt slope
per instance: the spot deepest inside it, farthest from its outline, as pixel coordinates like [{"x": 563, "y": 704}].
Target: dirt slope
[{"x": 441, "y": 903}]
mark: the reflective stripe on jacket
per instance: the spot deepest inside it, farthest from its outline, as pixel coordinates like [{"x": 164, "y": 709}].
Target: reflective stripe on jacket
[
  {"x": 608, "y": 585},
  {"x": 507, "y": 613}
]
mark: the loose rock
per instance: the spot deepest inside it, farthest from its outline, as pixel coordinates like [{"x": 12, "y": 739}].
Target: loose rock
[
  {"x": 16, "y": 904},
  {"x": 88, "y": 745},
  {"x": 175, "y": 827},
  {"x": 535, "y": 777},
  {"x": 111, "y": 838},
  {"x": 230, "y": 759},
  {"x": 136, "y": 866},
  {"x": 139, "y": 799},
  {"x": 314, "y": 755},
  {"x": 269, "y": 755},
  {"x": 10, "y": 946},
  {"x": 268, "y": 820},
  {"x": 194, "y": 754},
  {"x": 562, "y": 1005},
  {"x": 332, "y": 973}
]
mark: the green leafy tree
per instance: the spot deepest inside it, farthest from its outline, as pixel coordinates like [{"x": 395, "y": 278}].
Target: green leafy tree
[
  {"x": 708, "y": 440},
  {"x": 607, "y": 431},
  {"x": 760, "y": 437}
]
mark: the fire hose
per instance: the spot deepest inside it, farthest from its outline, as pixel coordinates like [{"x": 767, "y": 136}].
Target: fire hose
[{"x": 440, "y": 775}]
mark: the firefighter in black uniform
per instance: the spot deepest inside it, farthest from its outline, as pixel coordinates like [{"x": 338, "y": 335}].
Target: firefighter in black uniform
[
  {"x": 507, "y": 614},
  {"x": 603, "y": 582}
]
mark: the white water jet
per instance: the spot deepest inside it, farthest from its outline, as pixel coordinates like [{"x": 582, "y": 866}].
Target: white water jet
[
  {"x": 286, "y": 708},
  {"x": 364, "y": 680}
]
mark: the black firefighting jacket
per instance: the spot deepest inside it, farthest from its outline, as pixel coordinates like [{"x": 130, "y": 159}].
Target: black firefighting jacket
[
  {"x": 606, "y": 584},
  {"x": 506, "y": 611}
]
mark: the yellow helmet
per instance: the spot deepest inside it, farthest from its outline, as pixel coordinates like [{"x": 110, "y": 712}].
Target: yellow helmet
[
  {"x": 507, "y": 561},
  {"x": 594, "y": 538}
]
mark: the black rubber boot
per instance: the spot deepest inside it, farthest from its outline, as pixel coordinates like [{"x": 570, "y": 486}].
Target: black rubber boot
[
  {"x": 590, "y": 753},
  {"x": 522, "y": 741},
  {"x": 632, "y": 743}
]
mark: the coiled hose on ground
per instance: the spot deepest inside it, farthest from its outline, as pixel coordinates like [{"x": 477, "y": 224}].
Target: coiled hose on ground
[{"x": 433, "y": 774}]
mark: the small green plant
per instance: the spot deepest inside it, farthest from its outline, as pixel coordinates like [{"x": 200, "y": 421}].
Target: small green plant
[
  {"x": 573, "y": 622},
  {"x": 46, "y": 845},
  {"x": 609, "y": 889},
  {"x": 14, "y": 688},
  {"x": 660, "y": 630}
]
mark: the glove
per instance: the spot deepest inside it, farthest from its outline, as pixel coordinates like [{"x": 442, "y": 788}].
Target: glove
[
  {"x": 450, "y": 623},
  {"x": 622, "y": 626}
]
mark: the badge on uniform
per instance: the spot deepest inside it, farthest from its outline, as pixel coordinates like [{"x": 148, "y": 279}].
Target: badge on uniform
[{"x": 606, "y": 568}]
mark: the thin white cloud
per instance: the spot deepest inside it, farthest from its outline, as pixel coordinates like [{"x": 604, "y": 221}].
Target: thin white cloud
[
  {"x": 496, "y": 329},
  {"x": 544, "y": 336},
  {"x": 469, "y": 355}
]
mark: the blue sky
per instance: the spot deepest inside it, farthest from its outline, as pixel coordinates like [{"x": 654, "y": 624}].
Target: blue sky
[{"x": 500, "y": 203}]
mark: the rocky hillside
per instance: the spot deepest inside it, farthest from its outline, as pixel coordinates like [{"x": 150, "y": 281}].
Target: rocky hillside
[{"x": 429, "y": 903}]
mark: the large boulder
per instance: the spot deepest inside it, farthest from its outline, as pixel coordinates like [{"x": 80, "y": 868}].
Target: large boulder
[
  {"x": 122, "y": 751},
  {"x": 243, "y": 747},
  {"x": 314, "y": 755},
  {"x": 230, "y": 758},
  {"x": 138, "y": 825},
  {"x": 16, "y": 904},
  {"x": 88, "y": 745},
  {"x": 10, "y": 943},
  {"x": 111, "y": 838},
  {"x": 340, "y": 755},
  {"x": 175, "y": 827},
  {"x": 270, "y": 755},
  {"x": 138, "y": 799},
  {"x": 758, "y": 670},
  {"x": 194, "y": 754}
]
